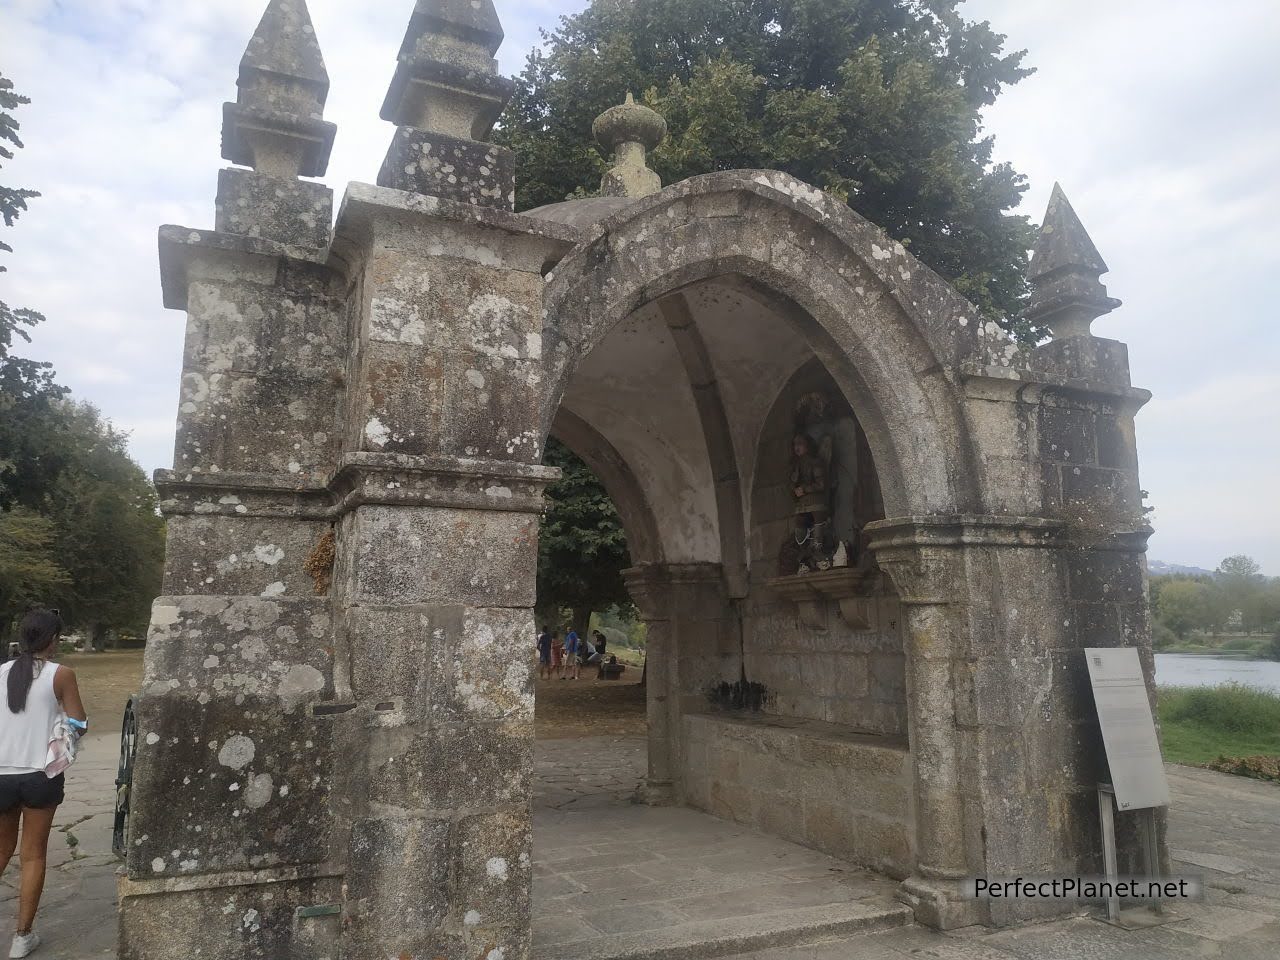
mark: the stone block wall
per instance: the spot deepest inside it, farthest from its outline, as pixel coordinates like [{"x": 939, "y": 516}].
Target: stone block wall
[
  {"x": 836, "y": 673},
  {"x": 829, "y": 788}
]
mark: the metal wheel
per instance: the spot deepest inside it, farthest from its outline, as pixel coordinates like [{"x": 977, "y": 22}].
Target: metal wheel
[{"x": 124, "y": 781}]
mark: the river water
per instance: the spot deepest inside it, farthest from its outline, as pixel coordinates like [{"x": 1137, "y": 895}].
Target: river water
[{"x": 1188, "y": 670}]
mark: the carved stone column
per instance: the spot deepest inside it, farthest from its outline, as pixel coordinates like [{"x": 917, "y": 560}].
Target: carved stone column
[
  {"x": 968, "y": 587},
  {"x": 692, "y": 648},
  {"x": 650, "y": 590}
]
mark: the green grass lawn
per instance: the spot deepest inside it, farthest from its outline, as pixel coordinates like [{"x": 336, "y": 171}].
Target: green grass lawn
[{"x": 1201, "y": 724}]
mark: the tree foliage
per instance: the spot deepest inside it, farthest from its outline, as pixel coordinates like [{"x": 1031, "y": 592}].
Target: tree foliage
[
  {"x": 582, "y": 548},
  {"x": 30, "y": 572},
  {"x": 27, "y": 387},
  {"x": 876, "y": 101},
  {"x": 78, "y": 523},
  {"x": 1236, "y": 595}
]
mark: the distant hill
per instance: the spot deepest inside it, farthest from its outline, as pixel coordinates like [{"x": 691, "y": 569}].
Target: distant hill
[{"x": 1161, "y": 569}]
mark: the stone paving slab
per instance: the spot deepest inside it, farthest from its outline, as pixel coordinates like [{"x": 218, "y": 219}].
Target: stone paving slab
[{"x": 614, "y": 879}]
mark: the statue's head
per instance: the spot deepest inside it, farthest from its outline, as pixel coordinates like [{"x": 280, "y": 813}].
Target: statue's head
[
  {"x": 801, "y": 445},
  {"x": 811, "y": 408}
]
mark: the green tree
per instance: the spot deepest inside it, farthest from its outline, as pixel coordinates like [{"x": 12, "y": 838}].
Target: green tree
[
  {"x": 110, "y": 536},
  {"x": 582, "y": 548},
  {"x": 876, "y": 101},
  {"x": 78, "y": 521},
  {"x": 1183, "y": 605},
  {"x": 30, "y": 573},
  {"x": 1240, "y": 580},
  {"x": 27, "y": 387},
  {"x": 1261, "y": 610}
]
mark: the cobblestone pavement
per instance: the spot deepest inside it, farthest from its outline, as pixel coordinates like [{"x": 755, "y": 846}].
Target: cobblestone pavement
[{"x": 1225, "y": 828}]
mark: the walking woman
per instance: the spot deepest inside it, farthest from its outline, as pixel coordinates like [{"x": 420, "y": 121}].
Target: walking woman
[{"x": 34, "y": 694}]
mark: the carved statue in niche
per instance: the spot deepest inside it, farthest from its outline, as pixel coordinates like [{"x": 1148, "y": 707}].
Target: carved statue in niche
[{"x": 824, "y": 480}]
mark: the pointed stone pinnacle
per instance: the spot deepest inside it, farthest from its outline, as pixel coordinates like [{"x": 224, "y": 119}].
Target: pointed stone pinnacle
[
  {"x": 473, "y": 22},
  {"x": 446, "y": 79},
  {"x": 1066, "y": 294},
  {"x": 277, "y": 123},
  {"x": 285, "y": 44},
  {"x": 1063, "y": 241}
]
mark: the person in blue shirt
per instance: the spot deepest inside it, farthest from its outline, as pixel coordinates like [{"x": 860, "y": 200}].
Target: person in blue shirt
[
  {"x": 573, "y": 670},
  {"x": 544, "y": 653}
]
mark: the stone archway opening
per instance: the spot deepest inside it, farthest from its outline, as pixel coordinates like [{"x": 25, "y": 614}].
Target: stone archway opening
[
  {"x": 688, "y": 410},
  {"x": 761, "y": 699}
]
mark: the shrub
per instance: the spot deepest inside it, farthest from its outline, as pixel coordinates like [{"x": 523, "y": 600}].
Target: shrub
[
  {"x": 1162, "y": 636},
  {"x": 1242, "y": 643},
  {"x": 1231, "y": 707}
]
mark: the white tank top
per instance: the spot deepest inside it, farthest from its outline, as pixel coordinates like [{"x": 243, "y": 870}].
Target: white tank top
[{"x": 24, "y": 737}]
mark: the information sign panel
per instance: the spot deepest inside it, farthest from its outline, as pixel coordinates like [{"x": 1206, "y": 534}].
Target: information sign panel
[{"x": 1128, "y": 729}]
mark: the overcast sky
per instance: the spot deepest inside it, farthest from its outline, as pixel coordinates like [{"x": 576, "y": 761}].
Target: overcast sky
[{"x": 1159, "y": 117}]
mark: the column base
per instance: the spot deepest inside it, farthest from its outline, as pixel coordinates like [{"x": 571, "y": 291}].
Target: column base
[
  {"x": 941, "y": 904},
  {"x": 656, "y": 793}
]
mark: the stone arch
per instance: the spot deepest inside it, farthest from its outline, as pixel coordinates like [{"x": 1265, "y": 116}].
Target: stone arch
[
  {"x": 888, "y": 330},
  {"x": 609, "y": 466}
]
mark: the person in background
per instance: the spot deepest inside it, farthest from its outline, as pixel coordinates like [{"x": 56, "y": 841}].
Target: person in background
[
  {"x": 557, "y": 656},
  {"x": 545, "y": 644},
  {"x": 572, "y": 645},
  {"x": 601, "y": 643},
  {"x": 37, "y": 693}
]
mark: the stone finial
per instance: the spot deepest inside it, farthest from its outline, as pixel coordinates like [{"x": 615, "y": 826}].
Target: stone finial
[
  {"x": 1066, "y": 294},
  {"x": 446, "y": 79},
  {"x": 276, "y": 124},
  {"x": 629, "y": 132}
]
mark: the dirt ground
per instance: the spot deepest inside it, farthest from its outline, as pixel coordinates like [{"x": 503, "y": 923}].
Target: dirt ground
[
  {"x": 565, "y": 708},
  {"x": 583, "y": 708},
  {"x": 107, "y": 681}
]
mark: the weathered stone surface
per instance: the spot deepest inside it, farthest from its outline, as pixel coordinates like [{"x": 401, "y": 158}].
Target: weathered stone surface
[
  {"x": 243, "y": 922},
  {"x": 817, "y": 784},
  {"x": 628, "y": 131},
  {"x": 473, "y": 557},
  {"x": 453, "y": 168},
  {"x": 1065, "y": 266},
  {"x": 495, "y": 876},
  {"x": 224, "y": 677},
  {"x": 276, "y": 125},
  {"x": 276, "y": 208},
  {"x": 400, "y": 882},
  {"x": 240, "y": 556},
  {"x": 443, "y": 663},
  {"x": 452, "y": 765}
]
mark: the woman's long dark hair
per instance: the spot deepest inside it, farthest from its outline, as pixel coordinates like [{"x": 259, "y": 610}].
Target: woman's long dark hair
[{"x": 39, "y": 631}]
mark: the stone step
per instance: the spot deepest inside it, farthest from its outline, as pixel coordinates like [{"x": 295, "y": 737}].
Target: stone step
[{"x": 734, "y": 935}]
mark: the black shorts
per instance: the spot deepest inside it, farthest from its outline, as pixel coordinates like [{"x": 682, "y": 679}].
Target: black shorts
[{"x": 30, "y": 790}]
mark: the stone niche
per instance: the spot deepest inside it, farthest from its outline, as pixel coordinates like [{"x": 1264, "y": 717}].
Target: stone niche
[
  {"x": 825, "y": 645},
  {"x": 823, "y": 759}
]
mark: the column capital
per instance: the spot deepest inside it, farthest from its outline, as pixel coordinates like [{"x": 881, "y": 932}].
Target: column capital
[
  {"x": 650, "y": 585},
  {"x": 924, "y": 556}
]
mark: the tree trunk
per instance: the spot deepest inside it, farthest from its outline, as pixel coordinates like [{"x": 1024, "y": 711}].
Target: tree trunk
[
  {"x": 581, "y": 621},
  {"x": 644, "y": 672},
  {"x": 98, "y": 638}
]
